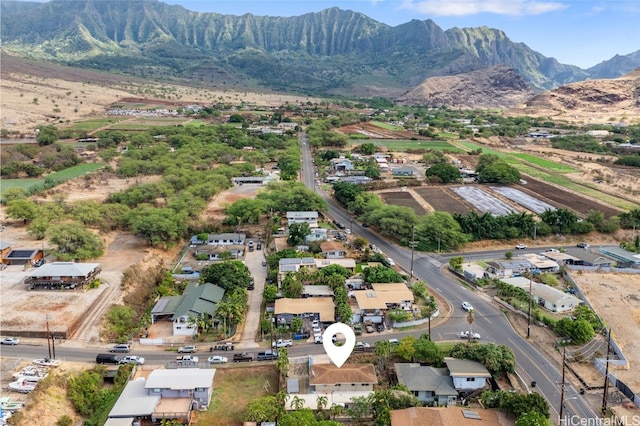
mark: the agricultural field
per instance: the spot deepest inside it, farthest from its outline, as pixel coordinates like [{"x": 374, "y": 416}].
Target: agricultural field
[
  {"x": 386, "y": 126},
  {"x": 545, "y": 164},
  {"x": 407, "y": 145},
  {"x": 525, "y": 200},
  {"x": 144, "y": 123},
  {"x": 483, "y": 201},
  {"x": 402, "y": 199},
  {"x": 89, "y": 126},
  {"x": 442, "y": 200},
  {"x": 25, "y": 184},
  {"x": 63, "y": 175}
]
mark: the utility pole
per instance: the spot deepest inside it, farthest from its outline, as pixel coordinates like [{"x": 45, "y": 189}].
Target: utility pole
[
  {"x": 529, "y": 319},
  {"x": 564, "y": 355},
  {"x": 606, "y": 376},
  {"x": 48, "y": 334},
  {"x": 53, "y": 345},
  {"x": 413, "y": 246}
]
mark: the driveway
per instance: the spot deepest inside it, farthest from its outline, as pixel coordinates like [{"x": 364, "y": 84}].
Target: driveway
[{"x": 253, "y": 260}]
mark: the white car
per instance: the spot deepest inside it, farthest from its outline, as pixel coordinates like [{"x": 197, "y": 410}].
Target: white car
[
  {"x": 347, "y": 231},
  {"x": 188, "y": 349},
  {"x": 132, "y": 359},
  {"x": 467, "y": 306},
  {"x": 390, "y": 262},
  {"x": 465, "y": 335},
  {"x": 10, "y": 341},
  {"x": 521, "y": 247},
  {"x": 217, "y": 359}
]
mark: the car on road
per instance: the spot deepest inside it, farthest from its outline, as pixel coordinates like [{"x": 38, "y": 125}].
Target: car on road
[
  {"x": 521, "y": 247},
  {"x": 361, "y": 346},
  {"x": 120, "y": 348},
  {"x": 582, "y": 245},
  {"x": 218, "y": 359},
  {"x": 188, "y": 349},
  {"x": 465, "y": 335},
  {"x": 390, "y": 262},
  {"x": 132, "y": 359},
  {"x": 10, "y": 341},
  {"x": 186, "y": 359},
  {"x": 264, "y": 263},
  {"x": 243, "y": 357},
  {"x": 282, "y": 343},
  {"x": 347, "y": 231},
  {"x": 467, "y": 306}
]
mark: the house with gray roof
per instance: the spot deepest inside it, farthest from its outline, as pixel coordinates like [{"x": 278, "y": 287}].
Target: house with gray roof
[
  {"x": 623, "y": 258},
  {"x": 432, "y": 386},
  {"x": 294, "y": 264},
  {"x": 508, "y": 268},
  {"x": 164, "y": 395},
  {"x": 196, "y": 301},
  {"x": 59, "y": 275},
  {"x": 467, "y": 375},
  {"x": 310, "y": 217},
  {"x": 545, "y": 296}
]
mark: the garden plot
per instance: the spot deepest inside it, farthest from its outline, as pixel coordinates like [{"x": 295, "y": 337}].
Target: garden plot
[
  {"x": 525, "y": 200},
  {"x": 403, "y": 199},
  {"x": 483, "y": 201},
  {"x": 441, "y": 200}
]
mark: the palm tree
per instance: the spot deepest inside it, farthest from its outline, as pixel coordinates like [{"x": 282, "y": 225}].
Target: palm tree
[
  {"x": 336, "y": 410},
  {"x": 383, "y": 350},
  {"x": 297, "y": 403},
  {"x": 322, "y": 401}
]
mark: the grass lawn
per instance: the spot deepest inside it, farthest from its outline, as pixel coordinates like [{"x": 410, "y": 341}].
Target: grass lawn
[
  {"x": 445, "y": 347},
  {"x": 547, "y": 164},
  {"x": 233, "y": 388}
]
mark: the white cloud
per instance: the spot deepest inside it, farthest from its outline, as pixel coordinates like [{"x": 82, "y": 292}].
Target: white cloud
[{"x": 473, "y": 7}]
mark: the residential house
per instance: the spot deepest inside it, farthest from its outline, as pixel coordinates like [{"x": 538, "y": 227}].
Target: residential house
[
  {"x": 403, "y": 172},
  {"x": 195, "y": 301},
  {"x": 542, "y": 264},
  {"x": 163, "y": 395},
  {"x": 333, "y": 250},
  {"x": 11, "y": 256},
  {"x": 59, "y": 275},
  {"x": 338, "y": 385},
  {"x": 5, "y": 249},
  {"x": 320, "y": 308},
  {"x": 623, "y": 258},
  {"x": 220, "y": 239},
  {"x": 221, "y": 252},
  {"x": 317, "y": 234},
  {"x": 545, "y": 296},
  {"x": 508, "y": 268},
  {"x": 432, "y": 386},
  {"x": 576, "y": 256},
  {"x": 467, "y": 375},
  {"x": 373, "y": 304},
  {"x": 316, "y": 291},
  {"x": 310, "y": 217},
  {"x": 449, "y": 416},
  {"x": 294, "y": 265},
  {"x": 348, "y": 263},
  {"x": 341, "y": 164}
]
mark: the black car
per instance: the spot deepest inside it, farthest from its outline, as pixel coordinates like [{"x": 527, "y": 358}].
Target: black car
[{"x": 380, "y": 327}]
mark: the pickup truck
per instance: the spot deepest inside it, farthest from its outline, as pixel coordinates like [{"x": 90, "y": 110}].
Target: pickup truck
[
  {"x": 267, "y": 356},
  {"x": 243, "y": 357},
  {"x": 280, "y": 343},
  {"x": 186, "y": 359}
]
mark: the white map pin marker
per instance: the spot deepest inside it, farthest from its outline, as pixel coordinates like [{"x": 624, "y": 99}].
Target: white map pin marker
[{"x": 338, "y": 354}]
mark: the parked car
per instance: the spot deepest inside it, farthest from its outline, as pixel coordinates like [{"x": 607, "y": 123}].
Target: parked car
[
  {"x": 282, "y": 343},
  {"x": 394, "y": 341},
  {"x": 10, "y": 341},
  {"x": 390, "y": 262},
  {"x": 583, "y": 245},
  {"x": 379, "y": 327},
  {"x": 264, "y": 263},
  {"x": 120, "y": 348},
  {"x": 465, "y": 335},
  {"x": 467, "y": 306},
  {"x": 267, "y": 356},
  {"x": 132, "y": 359},
  {"x": 186, "y": 359},
  {"x": 188, "y": 349},
  {"x": 252, "y": 285},
  {"x": 107, "y": 359},
  {"x": 521, "y": 247},
  {"x": 347, "y": 231},
  {"x": 218, "y": 359},
  {"x": 361, "y": 346},
  {"x": 369, "y": 328},
  {"x": 259, "y": 246},
  {"x": 243, "y": 357}
]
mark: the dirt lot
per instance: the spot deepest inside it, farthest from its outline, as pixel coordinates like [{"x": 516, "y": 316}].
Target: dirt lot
[
  {"x": 616, "y": 298},
  {"x": 375, "y": 132},
  {"x": 402, "y": 199},
  {"x": 441, "y": 199}
]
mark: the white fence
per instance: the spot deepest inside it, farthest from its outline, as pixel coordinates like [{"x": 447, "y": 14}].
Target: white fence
[{"x": 416, "y": 322}]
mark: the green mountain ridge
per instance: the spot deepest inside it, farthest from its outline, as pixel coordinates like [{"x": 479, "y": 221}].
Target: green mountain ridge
[{"x": 328, "y": 52}]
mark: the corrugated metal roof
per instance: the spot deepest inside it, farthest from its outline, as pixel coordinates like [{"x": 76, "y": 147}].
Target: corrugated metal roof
[
  {"x": 64, "y": 269},
  {"x": 181, "y": 378},
  {"x": 199, "y": 299},
  {"x": 134, "y": 401},
  {"x": 423, "y": 378}
]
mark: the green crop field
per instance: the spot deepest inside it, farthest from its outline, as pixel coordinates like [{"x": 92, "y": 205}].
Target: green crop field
[
  {"x": 195, "y": 122},
  {"x": 91, "y": 125},
  {"x": 386, "y": 125},
  {"x": 547, "y": 164},
  {"x": 399, "y": 145},
  {"x": 25, "y": 184},
  {"x": 75, "y": 171}
]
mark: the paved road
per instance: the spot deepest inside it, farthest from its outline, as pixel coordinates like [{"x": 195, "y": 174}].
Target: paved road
[
  {"x": 253, "y": 260},
  {"x": 489, "y": 321}
]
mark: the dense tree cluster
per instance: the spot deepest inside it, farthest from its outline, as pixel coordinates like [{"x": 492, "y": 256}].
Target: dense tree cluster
[
  {"x": 493, "y": 169},
  {"x": 498, "y": 359}
]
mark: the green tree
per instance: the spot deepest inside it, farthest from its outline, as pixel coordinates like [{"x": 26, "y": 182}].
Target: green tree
[
  {"x": 381, "y": 274},
  {"x": 296, "y": 324},
  {"x": 443, "y": 172},
  {"x": 74, "y": 242},
  {"x": 23, "y": 209},
  {"x": 456, "y": 263},
  {"x": 158, "y": 226},
  {"x": 86, "y": 392},
  {"x": 47, "y": 135},
  {"x": 367, "y": 148},
  {"x": 406, "y": 349},
  {"x": 533, "y": 418},
  {"x": 270, "y": 292},
  {"x": 11, "y": 194},
  {"x": 298, "y": 233},
  {"x": 282, "y": 364},
  {"x": 382, "y": 350},
  {"x": 230, "y": 275},
  {"x": 427, "y": 351},
  {"x": 297, "y": 403},
  {"x": 383, "y": 401},
  {"x": 265, "y": 409}
]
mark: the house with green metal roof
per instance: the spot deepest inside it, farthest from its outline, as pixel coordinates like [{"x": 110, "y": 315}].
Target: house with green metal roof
[{"x": 196, "y": 301}]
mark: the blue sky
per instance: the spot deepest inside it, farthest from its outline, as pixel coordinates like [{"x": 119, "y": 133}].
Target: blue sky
[{"x": 575, "y": 32}]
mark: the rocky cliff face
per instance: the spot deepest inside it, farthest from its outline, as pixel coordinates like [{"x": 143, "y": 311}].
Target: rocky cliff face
[{"x": 494, "y": 87}]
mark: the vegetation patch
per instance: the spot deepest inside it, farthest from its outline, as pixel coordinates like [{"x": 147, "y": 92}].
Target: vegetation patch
[
  {"x": 91, "y": 125},
  {"x": 386, "y": 125},
  {"x": 547, "y": 164},
  {"x": 403, "y": 145}
]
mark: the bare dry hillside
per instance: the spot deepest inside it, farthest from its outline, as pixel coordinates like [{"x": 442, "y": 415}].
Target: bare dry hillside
[{"x": 591, "y": 101}]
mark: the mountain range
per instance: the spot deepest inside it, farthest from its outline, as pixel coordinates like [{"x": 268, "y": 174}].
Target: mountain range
[{"x": 331, "y": 52}]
